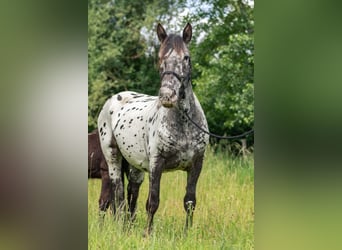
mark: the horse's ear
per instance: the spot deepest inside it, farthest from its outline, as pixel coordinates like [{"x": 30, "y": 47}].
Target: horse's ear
[
  {"x": 161, "y": 33},
  {"x": 187, "y": 33}
]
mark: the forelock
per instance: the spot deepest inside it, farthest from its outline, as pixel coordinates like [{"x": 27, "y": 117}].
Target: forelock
[{"x": 172, "y": 42}]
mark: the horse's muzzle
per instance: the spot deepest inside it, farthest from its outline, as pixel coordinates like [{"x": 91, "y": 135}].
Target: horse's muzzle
[{"x": 167, "y": 97}]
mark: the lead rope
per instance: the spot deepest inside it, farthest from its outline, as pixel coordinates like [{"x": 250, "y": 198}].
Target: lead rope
[{"x": 218, "y": 136}]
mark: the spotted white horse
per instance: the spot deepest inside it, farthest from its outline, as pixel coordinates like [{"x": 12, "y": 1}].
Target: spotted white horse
[{"x": 153, "y": 134}]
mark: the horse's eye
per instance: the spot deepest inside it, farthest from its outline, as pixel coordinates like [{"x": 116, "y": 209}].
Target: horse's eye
[
  {"x": 186, "y": 58},
  {"x": 161, "y": 65}
]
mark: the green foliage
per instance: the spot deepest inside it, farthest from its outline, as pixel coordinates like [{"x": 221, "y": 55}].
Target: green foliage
[
  {"x": 223, "y": 219},
  {"x": 225, "y": 87},
  {"x": 224, "y": 66}
]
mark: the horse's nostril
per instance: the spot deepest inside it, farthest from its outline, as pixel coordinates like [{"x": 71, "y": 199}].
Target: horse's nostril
[{"x": 166, "y": 92}]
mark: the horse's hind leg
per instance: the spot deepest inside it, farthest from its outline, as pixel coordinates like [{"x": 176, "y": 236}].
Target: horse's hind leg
[
  {"x": 107, "y": 195},
  {"x": 135, "y": 178},
  {"x": 113, "y": 158},
  {"x": 190, "y": 195}
]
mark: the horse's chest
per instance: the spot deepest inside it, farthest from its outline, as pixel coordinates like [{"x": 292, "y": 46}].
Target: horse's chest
[{"x": 178, "y": 146}]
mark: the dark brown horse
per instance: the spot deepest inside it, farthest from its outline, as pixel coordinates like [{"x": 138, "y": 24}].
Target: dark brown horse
[
  {"x": 95, "y": 156},
  {"x": 153, "y": 134}
]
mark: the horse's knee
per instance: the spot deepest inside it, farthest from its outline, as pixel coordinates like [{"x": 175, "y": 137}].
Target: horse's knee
[
  {"x": 133, "y": 189},
  {"x": 152, "y": 204}
]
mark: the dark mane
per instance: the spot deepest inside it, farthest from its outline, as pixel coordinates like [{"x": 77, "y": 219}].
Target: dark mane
[{"x": 172, "y": 42}]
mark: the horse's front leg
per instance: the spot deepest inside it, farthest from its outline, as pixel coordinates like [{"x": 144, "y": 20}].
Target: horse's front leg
[
  {"x": 152, "y": 203},
  {"x": 190, "y": 195}
]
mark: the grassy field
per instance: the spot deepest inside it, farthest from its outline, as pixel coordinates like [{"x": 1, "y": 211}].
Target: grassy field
[{"x": 224, "y": 216}]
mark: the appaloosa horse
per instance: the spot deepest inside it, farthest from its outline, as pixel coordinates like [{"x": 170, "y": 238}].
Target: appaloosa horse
[{"x": 152, "y": 132}]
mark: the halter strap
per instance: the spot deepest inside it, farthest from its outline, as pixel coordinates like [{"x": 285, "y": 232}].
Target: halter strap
[{"x": 171, "y": 73}]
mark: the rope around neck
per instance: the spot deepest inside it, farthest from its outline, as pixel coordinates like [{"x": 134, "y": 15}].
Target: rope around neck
[{"x": 219, "y": 136}]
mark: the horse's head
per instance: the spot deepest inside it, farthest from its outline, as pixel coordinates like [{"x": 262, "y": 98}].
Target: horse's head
[{"x": 174, "y": 66}]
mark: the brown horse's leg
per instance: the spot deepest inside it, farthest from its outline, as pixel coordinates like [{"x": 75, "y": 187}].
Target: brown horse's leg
[
  {"x": 106, "y": 197},
  {"x": 152, "y": 203},
  {"x": 190, "y": 195}
]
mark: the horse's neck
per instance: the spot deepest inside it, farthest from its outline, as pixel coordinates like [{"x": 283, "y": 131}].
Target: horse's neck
[{"x": 188, "y": 105}]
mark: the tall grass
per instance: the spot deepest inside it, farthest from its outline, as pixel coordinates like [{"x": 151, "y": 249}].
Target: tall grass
[{"x": 223, "y": 219}]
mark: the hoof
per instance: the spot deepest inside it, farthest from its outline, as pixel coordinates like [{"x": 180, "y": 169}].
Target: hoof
[
  {"x": 146, "y": 233},
  {"x": 102, "y": 215}
]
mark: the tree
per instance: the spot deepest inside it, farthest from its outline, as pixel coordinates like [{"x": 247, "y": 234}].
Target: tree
[{"x": 224, "y": 66}]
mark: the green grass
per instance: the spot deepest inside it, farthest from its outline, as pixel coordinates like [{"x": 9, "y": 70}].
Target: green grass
[{"x": 223, "y": 219}]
